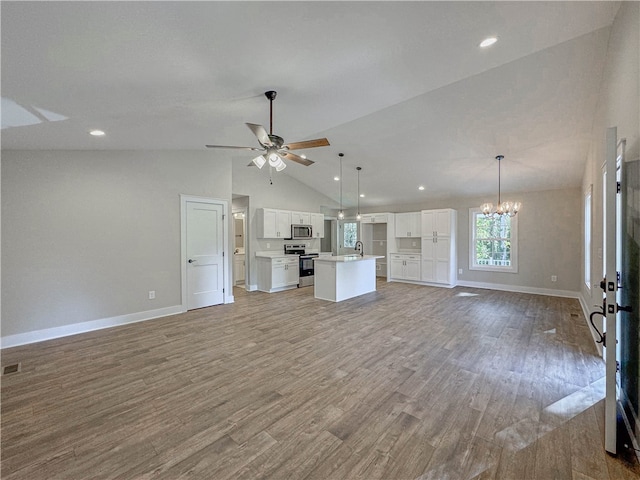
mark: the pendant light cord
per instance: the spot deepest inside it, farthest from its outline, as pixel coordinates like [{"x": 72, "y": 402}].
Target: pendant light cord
[
  {"x": 499, "y": 162},
  {"x": 499, "y": 158},
  {"x": 341, "y": 155},
  {"x": 358, "y": 169}
]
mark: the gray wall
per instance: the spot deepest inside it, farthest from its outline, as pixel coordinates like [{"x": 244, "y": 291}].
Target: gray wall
[
  {"x": 618, "y": 106},
  {"x": 548, "y": 238},
  {"x": 86, "y": 235}
]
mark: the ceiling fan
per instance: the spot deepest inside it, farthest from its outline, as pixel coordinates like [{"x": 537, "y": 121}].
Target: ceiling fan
[{"x": 273, "y": 148}]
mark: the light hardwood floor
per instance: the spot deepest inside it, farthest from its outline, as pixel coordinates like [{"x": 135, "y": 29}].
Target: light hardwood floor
[{"x": 409, "y": 382}]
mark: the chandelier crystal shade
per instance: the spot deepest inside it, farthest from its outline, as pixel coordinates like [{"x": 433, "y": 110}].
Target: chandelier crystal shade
[{"x": 502, "y": 208}]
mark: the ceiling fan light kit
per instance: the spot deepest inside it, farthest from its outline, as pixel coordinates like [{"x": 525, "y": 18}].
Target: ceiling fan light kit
[
  {"x": 259, "y": 161},
  {"x": 275, "y": 151},
  {"x": 502, "y": 208}
]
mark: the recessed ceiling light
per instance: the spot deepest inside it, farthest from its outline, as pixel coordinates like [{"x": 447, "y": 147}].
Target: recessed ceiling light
[
  {"x": 421, "y": 187},
  {"x": 361, "y": 195},
  {"x": 487, "y": 42},
  {"x": 96, "y": 133},
  {"x": 337, "y": 179}
]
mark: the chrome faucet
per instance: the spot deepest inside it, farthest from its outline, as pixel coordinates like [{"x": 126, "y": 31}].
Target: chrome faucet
[{"x": 360, "y": 248}]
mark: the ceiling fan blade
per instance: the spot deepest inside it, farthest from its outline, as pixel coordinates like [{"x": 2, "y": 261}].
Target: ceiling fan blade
[
  {"x": 260, "y": 133},
  {"x": 295, "y": 158},
  {"x": 318, "y": 142},
  {"x": 231, "y": 146}
]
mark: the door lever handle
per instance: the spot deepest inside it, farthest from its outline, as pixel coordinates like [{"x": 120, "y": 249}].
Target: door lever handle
[{"x": 192, "y": 261}]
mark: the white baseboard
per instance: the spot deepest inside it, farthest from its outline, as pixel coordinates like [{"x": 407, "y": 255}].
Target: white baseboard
[
  {"x": 75, "y": 328},
  {"x": 520, "y": 289},
  {"x": 428, "y": 284}
]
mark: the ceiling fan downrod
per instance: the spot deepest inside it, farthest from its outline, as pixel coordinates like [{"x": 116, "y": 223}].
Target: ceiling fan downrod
[{"x": 271, "y": 95}]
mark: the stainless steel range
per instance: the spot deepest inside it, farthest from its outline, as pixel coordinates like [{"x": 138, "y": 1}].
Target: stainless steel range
[{"x": 305, "y": 263}]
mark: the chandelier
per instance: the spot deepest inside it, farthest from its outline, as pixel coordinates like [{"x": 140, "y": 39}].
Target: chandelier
[{"x": 502, "y": 208}]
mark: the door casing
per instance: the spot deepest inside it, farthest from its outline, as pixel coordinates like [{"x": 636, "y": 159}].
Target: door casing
[{"x": 228, "y": 291}]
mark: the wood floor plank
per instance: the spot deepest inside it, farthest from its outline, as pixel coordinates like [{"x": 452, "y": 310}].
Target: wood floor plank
[{"x": 408, "y": 382}]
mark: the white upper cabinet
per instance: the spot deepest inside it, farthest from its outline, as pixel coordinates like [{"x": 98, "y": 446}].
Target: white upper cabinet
[
  {"x": 375, "y": 218},
  {"x": 437, "y": 223},
  {"x": 272, "y": 223},
  {"x": 317, "y": 225},
  {"x": 408, "y": 225},
  {"x": 300, "y": 218}
]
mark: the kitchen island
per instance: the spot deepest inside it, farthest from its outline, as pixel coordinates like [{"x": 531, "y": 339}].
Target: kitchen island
[{"x": 344, "y": 276}]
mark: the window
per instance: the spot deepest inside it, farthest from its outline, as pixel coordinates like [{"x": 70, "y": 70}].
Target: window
[
  {"x": 350, "y": 234},
  {"x": 493, "y": 245},
  {"x": 587, "y": 239}
]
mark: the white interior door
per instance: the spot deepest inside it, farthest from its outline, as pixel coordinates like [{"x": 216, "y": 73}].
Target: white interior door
[
  {"x": 204, "y": 254},
  {"x": 612, "y": 266}
]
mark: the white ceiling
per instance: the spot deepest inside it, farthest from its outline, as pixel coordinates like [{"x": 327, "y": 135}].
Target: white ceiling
[{"x": 401, "y": 88}]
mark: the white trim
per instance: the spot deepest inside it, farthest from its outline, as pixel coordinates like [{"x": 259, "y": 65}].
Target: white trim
[
  {"x": 418, "y": 282},
  {"x": 610, "y": 234},
  {"x": 228, "y": 263},
  {"x": 588, "y": 257},
  {"x": 513, "y": 268},
  {"x": 76, "y": 328},
  {"x": 520, "y": 289}
]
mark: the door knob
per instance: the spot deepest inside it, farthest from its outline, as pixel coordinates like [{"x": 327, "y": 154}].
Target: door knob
[{"x": 192, "y": 261}]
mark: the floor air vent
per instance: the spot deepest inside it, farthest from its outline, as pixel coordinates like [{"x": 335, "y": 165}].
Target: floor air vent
[{"x": 13, "y": 368}]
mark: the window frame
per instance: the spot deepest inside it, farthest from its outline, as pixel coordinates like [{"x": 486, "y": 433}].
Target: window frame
[{"x": 513, "y": 268}]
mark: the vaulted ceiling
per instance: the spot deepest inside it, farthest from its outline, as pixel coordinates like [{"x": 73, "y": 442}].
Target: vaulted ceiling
[{"x": 402, "y": 88}]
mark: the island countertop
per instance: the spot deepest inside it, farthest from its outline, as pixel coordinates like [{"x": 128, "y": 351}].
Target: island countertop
[{"x": 347, "y": 258}]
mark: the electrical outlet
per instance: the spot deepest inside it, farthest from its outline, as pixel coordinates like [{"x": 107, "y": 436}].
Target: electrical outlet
[
  {"x": 268, "y": 246},
  {"x": 554, "y": 278},
  {"x": 152, "y": 294},
  {"x": 459, "y": 271}
]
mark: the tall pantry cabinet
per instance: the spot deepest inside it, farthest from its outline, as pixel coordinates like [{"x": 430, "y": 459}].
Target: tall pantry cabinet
[{"x": 439, "y": 246}]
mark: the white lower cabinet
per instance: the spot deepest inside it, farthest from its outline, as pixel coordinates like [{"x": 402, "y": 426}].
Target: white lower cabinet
[
  {"x": 405, "y": 266},
  {"x": 438, "y": 260},
  {"x": 238, "y": 268},
  {"x": 276, "y": 274}
]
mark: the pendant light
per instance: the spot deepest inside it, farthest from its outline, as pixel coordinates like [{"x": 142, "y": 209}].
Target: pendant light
[
  {"x": 341, "y": 212},
  {"x": 502, "y": 208},
  {"x": 358, "y": 216}
]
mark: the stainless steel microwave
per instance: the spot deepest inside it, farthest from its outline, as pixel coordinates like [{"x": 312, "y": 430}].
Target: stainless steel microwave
[{"x": 300, "y": 232}]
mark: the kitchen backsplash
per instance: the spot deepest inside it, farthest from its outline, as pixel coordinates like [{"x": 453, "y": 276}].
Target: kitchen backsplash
[{"x": 276, "y": 245}]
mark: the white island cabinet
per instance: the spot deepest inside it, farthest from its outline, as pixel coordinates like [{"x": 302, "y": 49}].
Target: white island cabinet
[{"x": 344, "y": 276}]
